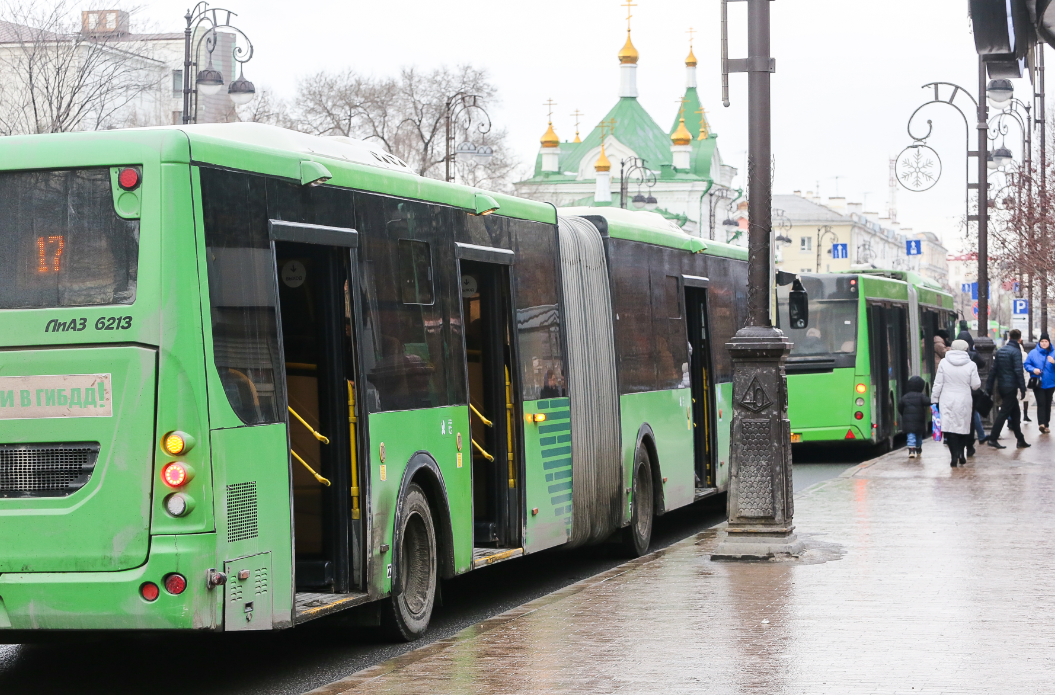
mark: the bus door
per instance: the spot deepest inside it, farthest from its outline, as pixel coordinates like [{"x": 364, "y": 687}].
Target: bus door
[
  {"x": 494, "y": 410},
  {"x": 899, "y": 355},
  {"x": 701, "y": 378},
  {"x": 317, "y": 288},
  {"x": 878, "y": 349}
]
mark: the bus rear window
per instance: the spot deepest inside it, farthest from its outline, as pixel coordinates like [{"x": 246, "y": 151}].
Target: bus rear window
[
  {"x": 833, "y": 317},
  {"x": 63, "y": 243}
]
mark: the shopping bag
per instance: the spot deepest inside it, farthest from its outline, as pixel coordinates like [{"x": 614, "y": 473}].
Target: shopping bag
[{"x": 935, "y": 416}]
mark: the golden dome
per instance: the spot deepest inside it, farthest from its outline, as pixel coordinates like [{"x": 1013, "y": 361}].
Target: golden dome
[
  {"x": 602, "y": 163},
  {"x": 549, "y": 138},
  {"x": 681, "y": 136},
  {"x": 691, "y": 60},
  {"x": 628, "y": 55}
]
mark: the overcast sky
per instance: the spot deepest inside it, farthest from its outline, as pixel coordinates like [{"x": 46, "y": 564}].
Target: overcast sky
[{"x": 848, "y": 75}]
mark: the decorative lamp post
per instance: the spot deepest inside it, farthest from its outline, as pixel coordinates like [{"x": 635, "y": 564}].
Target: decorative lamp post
[
  {"x": 634, "y": 168},
  {"x": 1001, "y": 157},
  {"x": 823, "y": 232},
  {"x": 209, "y": 80},
  {"x": 460, "y": 108},
  {"x": 761, "y": 506},
  {"x": 999, "y": 92}
]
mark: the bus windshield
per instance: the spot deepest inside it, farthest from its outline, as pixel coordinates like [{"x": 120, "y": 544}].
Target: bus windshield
[{"x": 832, "y": 326}]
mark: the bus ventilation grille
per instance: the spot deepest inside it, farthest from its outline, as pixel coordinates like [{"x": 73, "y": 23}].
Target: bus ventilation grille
[
  {"x": 46, "y": 470},
  {"x": 241, "y": 511}
]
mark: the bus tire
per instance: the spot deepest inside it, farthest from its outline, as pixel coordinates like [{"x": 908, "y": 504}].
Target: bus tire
[
  {"x": 638, "y": 535},
  {"x": 408, "y": 610}
]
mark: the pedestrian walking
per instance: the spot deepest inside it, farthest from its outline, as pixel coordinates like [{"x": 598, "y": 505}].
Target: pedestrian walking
[
  {"x": 939, "y": 351},
  {"x": 978, "y": 431},
  {"x": 1006, "y": 378},
  {"x": 957, "y": 378},
  {"x": 914, "y": 407},
  {"x": 1040, "y": 365}
]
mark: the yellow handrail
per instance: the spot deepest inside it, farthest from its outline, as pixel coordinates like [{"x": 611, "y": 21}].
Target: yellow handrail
[
  {"x": 481, "y": 450},
  {"x": 509, "y": 431},
  {"x": 311, "y": 429},
  {"x": 481, "y": 416},
  {"x": 355, "y": 467},
  {"x": 311, "y": 470}
]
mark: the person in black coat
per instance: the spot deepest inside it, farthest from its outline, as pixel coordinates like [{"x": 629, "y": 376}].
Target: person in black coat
[
  {"x": 914, "y": 407},
  {"x": 1007, "y": 378}
]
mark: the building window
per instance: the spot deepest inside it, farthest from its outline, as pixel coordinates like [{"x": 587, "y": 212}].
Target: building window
[
  {"x": 177, "y": 82},
  {"x": 806, "y": 243}
]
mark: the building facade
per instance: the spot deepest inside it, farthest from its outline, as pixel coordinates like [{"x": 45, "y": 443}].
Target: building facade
[{"x": 692, "y": 186}]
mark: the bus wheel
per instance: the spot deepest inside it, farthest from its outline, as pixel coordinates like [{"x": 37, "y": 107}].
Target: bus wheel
[
  {"x": 409, "y": 608},
  {"x": 638, "y": 535}
]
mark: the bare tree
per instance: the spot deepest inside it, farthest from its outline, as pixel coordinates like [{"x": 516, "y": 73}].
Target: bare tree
[
  {"x": 407, "y": 115},
  {"x": 58, "y": 74}
]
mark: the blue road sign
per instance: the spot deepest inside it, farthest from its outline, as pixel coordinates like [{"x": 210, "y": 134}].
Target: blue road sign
[
  {"x": 840, "y": 251},
  {"x": 970, "y": 288},
  {"x": 1020, "y": 307},
  {"x": 914, "y": 247}
]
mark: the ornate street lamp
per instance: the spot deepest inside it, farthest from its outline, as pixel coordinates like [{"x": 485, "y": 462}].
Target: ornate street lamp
[
  {"x": 635, "y": 168},
  {"x": 460, "y": 109},
  {"x": 999, "y": 92},
  {"x": 209, "y": 80},
  {"x": 1002, "y": 157}
]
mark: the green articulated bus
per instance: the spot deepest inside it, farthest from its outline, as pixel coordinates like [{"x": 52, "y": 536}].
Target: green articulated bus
[
  {"x": 869, "y": 331},
  {"x": 250, "y": 377}
]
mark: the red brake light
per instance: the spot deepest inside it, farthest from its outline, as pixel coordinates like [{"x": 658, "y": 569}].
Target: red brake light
[
  {"x": 849, "y": 435},
  {"x": 175, "y": 583},
  {"x": 149, "y": 591},
  {"x": 859, "y": 415},
  {"x": 128, "y": 179},
  {"x": 174, "y": 474}
]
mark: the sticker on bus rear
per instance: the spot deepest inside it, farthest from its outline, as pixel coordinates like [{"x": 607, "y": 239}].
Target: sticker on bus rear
[{"x": 55, "y": 395}]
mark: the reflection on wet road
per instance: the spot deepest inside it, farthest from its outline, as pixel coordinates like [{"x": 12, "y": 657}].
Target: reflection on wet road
[{"x": 318, "y": 653}]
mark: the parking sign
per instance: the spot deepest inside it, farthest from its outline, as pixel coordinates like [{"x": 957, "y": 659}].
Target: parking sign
[{"x": 1020, "y": 307}]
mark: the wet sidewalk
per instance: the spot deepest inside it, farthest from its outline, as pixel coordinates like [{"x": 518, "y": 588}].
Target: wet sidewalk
[{"x": 921, "y": 579}]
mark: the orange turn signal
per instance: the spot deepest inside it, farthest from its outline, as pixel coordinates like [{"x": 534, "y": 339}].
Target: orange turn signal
[
  {"x": 176, "y": 443},
  {"x": 539, "y": 417},
  {"x": 861, "y": 388}
]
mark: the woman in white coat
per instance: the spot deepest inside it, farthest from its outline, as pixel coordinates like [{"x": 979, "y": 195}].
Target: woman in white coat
[{"x": 957, "y": 377}]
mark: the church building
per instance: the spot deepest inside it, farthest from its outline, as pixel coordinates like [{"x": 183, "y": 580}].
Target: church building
[{"x": 679, "y": 173}]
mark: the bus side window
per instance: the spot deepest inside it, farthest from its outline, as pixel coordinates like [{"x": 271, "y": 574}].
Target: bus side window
[{"x": 242, "y": 292}]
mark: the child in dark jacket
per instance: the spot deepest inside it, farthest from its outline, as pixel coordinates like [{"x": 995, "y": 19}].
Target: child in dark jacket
[{"x": 914, "y": 407}]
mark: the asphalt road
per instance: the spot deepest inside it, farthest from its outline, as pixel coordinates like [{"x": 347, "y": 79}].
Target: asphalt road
[{"x": 295, "y": 661}]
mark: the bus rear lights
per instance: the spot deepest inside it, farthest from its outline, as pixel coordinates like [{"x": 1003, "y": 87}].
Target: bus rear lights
[
  {"x": 860, "y": 402},
  {"x": 176, "y": 473},
  {"x": 861, "y": 388},
  {"x": 177, "y": 443},
  {"x": 174, "y": 584},
  {"x": 128, "y": 179},
  {"x": 149, "y": 591},
  {"x": 859, "y": 415},
  {"x": 539, "y": 417},
  {"x": 179, "y": 504}
]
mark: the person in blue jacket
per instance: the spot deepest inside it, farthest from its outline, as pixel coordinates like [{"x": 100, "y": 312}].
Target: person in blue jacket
[{"x": 1041, "y": 364}]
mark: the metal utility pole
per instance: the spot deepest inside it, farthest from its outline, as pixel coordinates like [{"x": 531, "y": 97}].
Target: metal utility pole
[
  {"x": 983, "y": 343},
  {"x": 1042, "y": 120},
  {"x": 761, "y": 506}
]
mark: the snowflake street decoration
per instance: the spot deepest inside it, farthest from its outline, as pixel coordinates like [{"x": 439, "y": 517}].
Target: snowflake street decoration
[{"x": 918, "y": 167}]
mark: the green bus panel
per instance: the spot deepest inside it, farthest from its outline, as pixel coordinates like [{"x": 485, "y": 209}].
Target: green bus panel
[
  {"x": 111, "y": 600},
  {"x": 104, "y": 525},
  {"x": 251, "y": 473},
  {"x": 883, "y": 288},
  {"x": 402, "y": 434},
  {"x": 669, "y": 414},
  {"x": 548, "y": 481},
  {"x": 821, "y": 406},
  {"x": 723, "y": 397}
]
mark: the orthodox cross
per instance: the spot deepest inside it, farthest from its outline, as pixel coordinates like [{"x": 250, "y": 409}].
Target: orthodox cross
[
  {"x": 576, "y": 117},
  {"x": 609, "y": 125},
  {"x": 704, "y": 131},
  {"x": 681, "y": 103},
  {"x": 690, "y": 32},
  {"x": 628, "y": 4},
  {"x": 549, "y": 103}
]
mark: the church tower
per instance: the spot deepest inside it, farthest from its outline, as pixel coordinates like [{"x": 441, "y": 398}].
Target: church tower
[
  {"x": 603, "y": 188},
  {"x": 628, "y": 56},
  {"x": 550, "y": 145}
]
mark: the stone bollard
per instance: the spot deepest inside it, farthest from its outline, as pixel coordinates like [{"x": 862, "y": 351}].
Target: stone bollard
[{"x": 761, "y": 504}]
